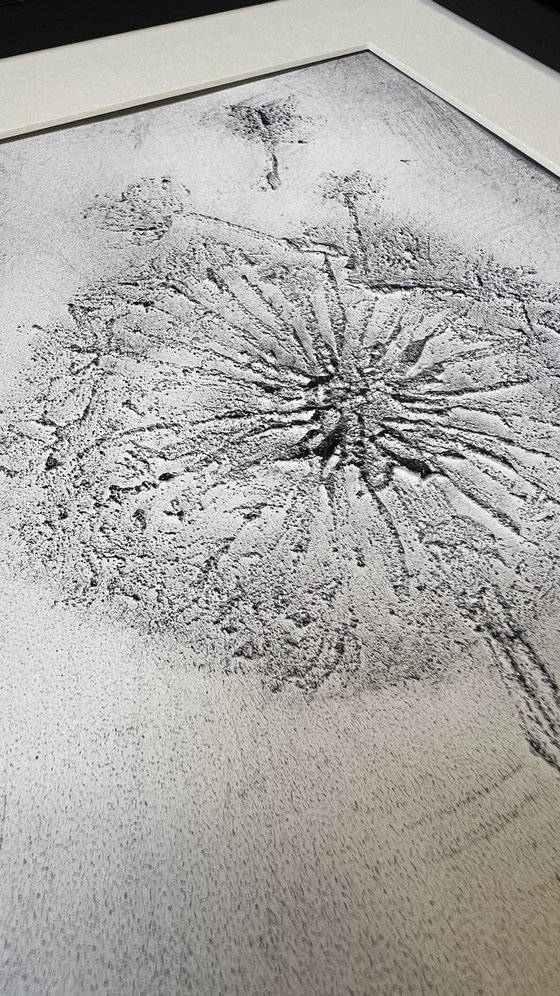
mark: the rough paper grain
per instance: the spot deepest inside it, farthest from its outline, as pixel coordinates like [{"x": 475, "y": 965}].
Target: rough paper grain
[{"x": 280, "y": 421}]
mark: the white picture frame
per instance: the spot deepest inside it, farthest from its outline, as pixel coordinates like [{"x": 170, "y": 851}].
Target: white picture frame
[{"x": 509, "y": 93}]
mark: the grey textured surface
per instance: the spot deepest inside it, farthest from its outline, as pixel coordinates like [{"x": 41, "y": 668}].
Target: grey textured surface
[{"x": 280, "y": 479}]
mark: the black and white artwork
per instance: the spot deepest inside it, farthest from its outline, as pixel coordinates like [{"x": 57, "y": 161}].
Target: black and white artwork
[{"x": 279, "y": 434}]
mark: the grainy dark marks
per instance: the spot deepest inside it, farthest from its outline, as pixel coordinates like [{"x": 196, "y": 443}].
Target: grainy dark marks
[
  {"x": 529, "y": 677},
  {"x": 321, "y": 455},
  {"x": 271, "y": 124},
  {"x": 3, "y": 806}
]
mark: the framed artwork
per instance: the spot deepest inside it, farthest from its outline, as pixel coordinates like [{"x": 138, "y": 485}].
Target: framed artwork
[
  {"x": 279, "y": 530},
  {"x": 513, "y": 97}
]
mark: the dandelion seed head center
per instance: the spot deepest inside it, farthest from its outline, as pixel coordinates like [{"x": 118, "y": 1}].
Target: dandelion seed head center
[{"x": 346, "y": 403}]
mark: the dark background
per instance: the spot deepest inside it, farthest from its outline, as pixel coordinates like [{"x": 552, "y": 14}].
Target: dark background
[
  {"x": 29, "y": 25},
  {"x": 530, "y": 25}
]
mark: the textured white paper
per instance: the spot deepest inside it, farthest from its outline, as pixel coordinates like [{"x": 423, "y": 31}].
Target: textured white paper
[{"x": 279, "y": 494}]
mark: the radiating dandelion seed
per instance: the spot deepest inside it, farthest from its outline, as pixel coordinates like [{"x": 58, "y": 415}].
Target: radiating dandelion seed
[
  {"x": 271, "y": 124},
  {"x": 301, "y": 445}
]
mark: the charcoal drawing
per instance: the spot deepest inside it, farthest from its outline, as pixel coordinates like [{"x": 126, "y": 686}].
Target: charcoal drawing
[{"x": 282, "y": 390}]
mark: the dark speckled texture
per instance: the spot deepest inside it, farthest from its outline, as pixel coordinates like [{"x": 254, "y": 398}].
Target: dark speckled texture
[{"x": 279, "y": 495}]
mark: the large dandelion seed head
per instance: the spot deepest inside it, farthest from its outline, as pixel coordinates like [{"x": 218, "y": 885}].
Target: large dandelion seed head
[{"x": 303, "y": 456}]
